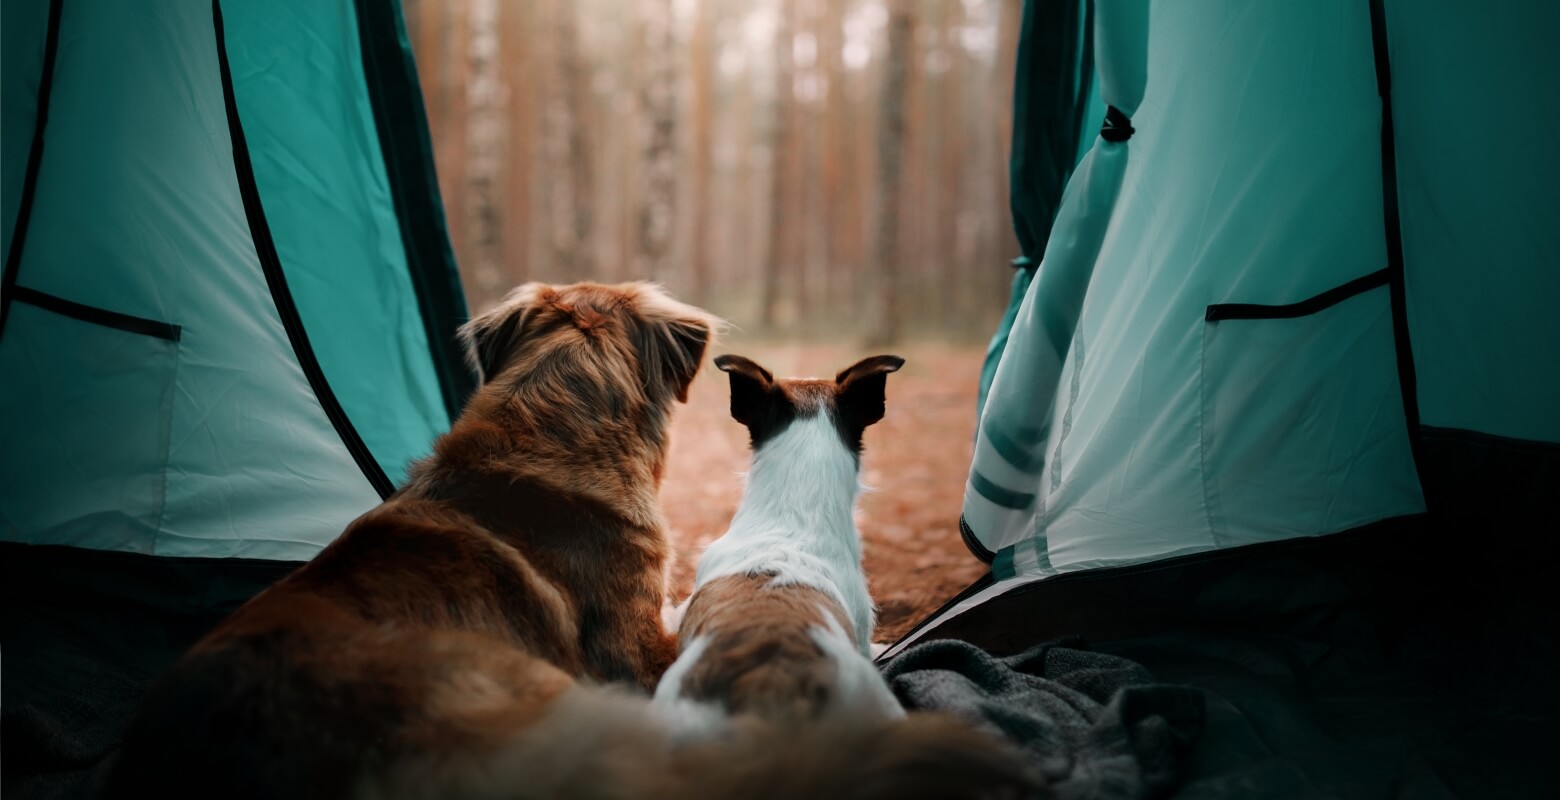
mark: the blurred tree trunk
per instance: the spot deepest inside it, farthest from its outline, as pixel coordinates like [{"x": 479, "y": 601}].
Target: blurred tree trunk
[
  {"x": 836, "y": 188},
  {"x": 518, "y": 75},
  {"x": 658, "y": 103},
  {"x": 782, "y": 181},
  {"x": 483, "y": 232},
  {"x": 953, "y": 218},
  {"x": 811, "y": 82},
  {"x": 891, "y": 143},
  {"x": 568, "y": 148},
  {"x": 703, "y": 156}
]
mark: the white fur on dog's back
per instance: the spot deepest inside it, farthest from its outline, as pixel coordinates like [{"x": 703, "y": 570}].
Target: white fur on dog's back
[
  {"x": 861, "y": 690},
  {"x": 797, "y": 520}
]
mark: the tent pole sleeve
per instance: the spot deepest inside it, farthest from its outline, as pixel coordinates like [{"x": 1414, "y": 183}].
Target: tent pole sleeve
[{"x": 13, "y": 258}]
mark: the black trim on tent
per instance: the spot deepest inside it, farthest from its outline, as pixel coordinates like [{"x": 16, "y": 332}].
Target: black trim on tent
[
  {"x": 1306, "y": 307},
  {"x": 1096, "y": 611},
  {"x": 13, "y": 259},
  {"x": 394, "y": 93},
  {"x": 973, "y": 542},
  {"x": 1407, "y": 381},
  {"x": 97, "y": 316},
  {"x": 1117, "y": 126},
  {"x": 980, "y": 585},
  {"x": 265, "y": 249}
]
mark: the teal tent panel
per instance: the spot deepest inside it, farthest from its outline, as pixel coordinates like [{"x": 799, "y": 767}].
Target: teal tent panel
[
  {"x": 149, "y": 222},
  {"x": 1285, "y": 454},
  {"x": 1476, "y": 113},
  {"x": 23, "y": 31},
  {"x": 1049, "y": 92},
  {"x": 1253, "y": 178},
  {"x": 86, "y": 465},
  {"x": 1016, "y": 417},
  {"x": 298, "y": 76}
]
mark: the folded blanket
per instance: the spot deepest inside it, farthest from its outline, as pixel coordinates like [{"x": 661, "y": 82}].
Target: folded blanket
[{"x": 1098, "y": 726}]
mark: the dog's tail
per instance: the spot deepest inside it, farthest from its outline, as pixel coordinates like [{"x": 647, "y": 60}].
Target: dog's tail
[
  {"x": 603, "y": 744},
  {"x": 923, "y": 755}
]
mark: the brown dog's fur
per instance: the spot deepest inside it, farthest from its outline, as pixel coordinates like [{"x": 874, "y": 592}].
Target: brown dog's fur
[
  {"x": 762, "y": 657},
  {"x": 528, "y": 551}
]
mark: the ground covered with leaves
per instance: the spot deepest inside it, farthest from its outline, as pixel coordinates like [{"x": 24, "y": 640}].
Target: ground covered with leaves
[{"x": 915, "y": 464}]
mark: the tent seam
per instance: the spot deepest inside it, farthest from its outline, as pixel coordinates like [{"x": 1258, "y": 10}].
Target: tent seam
[
  {"x": 1408, "y": 385},
  {"x": 13, "y": 258},
  {"x": 276, "y": 278}
]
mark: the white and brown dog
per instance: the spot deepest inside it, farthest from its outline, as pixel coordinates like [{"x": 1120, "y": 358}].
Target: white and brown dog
[
  {"x": 780, "y": 620},
  {"x": 779, "y": 626}
]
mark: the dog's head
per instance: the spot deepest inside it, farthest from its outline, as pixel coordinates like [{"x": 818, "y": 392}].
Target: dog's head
[
  {"x": 615, "y": 343},
  {"x": 767, "y": 406}
]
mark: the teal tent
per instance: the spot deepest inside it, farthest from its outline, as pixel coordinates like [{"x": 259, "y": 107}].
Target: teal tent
[
  {"x": 229, "y": 300},
  {"x": 1275, "y": 410},
  {"x": 227, "y": 324}
]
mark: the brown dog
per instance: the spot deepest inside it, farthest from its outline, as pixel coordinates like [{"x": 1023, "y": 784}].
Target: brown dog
[{"x": 526, "y": 553}]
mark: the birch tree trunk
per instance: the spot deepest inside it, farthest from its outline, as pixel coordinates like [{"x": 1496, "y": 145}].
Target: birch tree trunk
[
  {"x": 891, "y": 143},
  {"x": 782, "y": 181},
  {"x": 702, "y": 155},
  {"x": 568, "y": 147},
  {"x": 658, "y": 102}
]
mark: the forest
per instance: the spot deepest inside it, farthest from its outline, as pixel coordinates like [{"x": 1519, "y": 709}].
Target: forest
[{"x": 809, "y": 169}]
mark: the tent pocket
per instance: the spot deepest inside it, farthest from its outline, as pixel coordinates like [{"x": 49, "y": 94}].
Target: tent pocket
[
  {"x": 1303, "y": 430},
  {"x": 86, "y": 457}
]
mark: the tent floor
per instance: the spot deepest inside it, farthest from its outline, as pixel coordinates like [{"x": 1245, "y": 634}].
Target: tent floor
[
  {"x": 1359, "y": 665},
  {"x": 83, "y": 633},
  {"x": 1356, "y": 665}
]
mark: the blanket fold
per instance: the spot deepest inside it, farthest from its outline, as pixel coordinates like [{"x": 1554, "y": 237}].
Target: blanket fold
[{"x": 1097, "y": 725}]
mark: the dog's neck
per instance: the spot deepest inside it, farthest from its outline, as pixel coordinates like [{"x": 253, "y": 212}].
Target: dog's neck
[
  {"x": 803, "y": 480},
  {"x": 615, "y": 460},
  {"x": 796, "y": 520}
]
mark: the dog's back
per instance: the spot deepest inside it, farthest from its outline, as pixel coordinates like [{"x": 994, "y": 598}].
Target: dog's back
[{"x": 778, "y": 651}]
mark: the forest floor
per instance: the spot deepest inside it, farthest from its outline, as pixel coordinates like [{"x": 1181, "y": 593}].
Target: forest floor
[{"x": 915, "y": 463}]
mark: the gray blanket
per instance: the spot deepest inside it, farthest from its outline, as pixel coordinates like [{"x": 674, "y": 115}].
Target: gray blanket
[{"x": 1097, "y": 726}]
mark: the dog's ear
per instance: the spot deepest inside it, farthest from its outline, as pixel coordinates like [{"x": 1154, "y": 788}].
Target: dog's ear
[
  {"x": 493, "y": 338},
  {"x": 752, "y": 388},
  {"x": 686, "y": 340},
  {"x": 860, "y": 388},
  {"x": 673, "y": 337}
]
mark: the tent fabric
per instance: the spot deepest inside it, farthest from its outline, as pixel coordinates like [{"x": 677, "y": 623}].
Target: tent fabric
[
  {"x": 23, "y": 39},
  {"x": 1055, "y": 70},
  {"x": 1245, "y": 356},
  {"x": 256, "y": 219},
  {"x": 392, "y": 85},
  {"x": 1478, "y": 200},
  {"x": 298, "y": 78}
]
